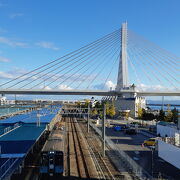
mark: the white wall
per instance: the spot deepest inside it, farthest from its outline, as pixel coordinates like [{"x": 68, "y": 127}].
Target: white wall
[
  {"x": 167, "y": 130},
  {"x": 169, "y": 153},
  {"x": 126, "y": 104}
]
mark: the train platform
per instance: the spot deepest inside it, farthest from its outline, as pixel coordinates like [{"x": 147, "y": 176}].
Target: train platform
[{"x": 18, "y": 136}]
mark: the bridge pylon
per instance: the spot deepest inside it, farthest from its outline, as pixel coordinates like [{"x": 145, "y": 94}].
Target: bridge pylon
[
  {"x": 126, "y": 102},
  {"x": 122, "y": 81}
]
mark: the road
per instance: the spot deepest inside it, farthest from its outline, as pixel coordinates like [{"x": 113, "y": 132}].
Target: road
[{"x": 132, "y": 145}]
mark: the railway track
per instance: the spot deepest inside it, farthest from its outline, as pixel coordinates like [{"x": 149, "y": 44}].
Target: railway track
[
  {"x": 79, "y": 161},
  {"x": 104, "y": 166}
]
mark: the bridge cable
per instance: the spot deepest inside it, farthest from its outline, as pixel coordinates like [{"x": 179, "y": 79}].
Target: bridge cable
[
  {"x": 148, "y": 61},
  {"x": 169, "y": 55},
  {"x": 144, "y": 51},
  {"x": 101, "y": 70},
  {"x": 61, "y": 57},
  {"x": 135, "y": 72},
  {"x": 89, "y": 74},
  {"x": 156, "y": 54},
  {"x": 147, "y": 66},
  {"x": 79, "y": 70},
  {"x": 67, "y": 67},
  {"x": 50, "y": 67},
  {"x": 113, "y": 66}
]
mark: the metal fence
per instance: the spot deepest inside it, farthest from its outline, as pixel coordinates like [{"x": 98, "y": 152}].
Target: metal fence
[{"x": 136, "y": 169}]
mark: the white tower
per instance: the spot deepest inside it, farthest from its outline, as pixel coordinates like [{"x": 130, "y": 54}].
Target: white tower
[{"x": 122, "y": 81}]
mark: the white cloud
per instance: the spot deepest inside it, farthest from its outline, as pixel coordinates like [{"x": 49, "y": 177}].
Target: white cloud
[
  {"x": 45, "y": 87},
  {"x": 47, "y": 45},
  {"x": 156, "y": 87},
  {"x": 12, "y": 43},
  {"x": 14, "y": 15},
  {"x": 64, "y": 87},
  {"x": 3, "y": 59},
  {"x": 109, "y": 85},
  {"x": 15, "y": 72},
  {"x": 4, "y": 75}
]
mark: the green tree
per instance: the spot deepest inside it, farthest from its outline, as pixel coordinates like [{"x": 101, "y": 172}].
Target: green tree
[
  {"x": 112, "y": 110},
  {"x": 98, "y": 105},
  {"x": 161, "y": 115},
  {"x": 174, "y": 115},
  {"x": 139, "y": 111},
  {"x": 87, "y": 102},
  {"x": 78, "y": 104},
  {"x": 94, "y": 112},
  {"x": 169, "y": 115}
]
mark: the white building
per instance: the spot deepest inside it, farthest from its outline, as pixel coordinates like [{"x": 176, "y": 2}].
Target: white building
[
  {"x": 3, "y": 100},
  {"x": 167, "y": 130},
  {"x": 169, "y": 152},
  {"x": 169, "y": 144},
  {"x": 130, "y": 103}
]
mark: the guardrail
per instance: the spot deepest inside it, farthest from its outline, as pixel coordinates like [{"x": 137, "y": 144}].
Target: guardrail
[
  {"x": 127, "y": 160},
  {"x": 6, "y": 167},
  {"x": 10, "y": 128}
]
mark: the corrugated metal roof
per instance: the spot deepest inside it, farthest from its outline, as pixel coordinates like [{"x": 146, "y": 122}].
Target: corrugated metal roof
[
  {"x": 24, "y": 132},
  {"x": 20, "y": 141},
  {"x": 46, "y": 116}
]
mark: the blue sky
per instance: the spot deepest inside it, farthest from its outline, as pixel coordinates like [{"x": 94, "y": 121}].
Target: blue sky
[{"x": 34, "y": 32}]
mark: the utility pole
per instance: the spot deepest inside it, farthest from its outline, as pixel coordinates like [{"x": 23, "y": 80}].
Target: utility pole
[
  {"x": 38, "y": 122},
  {"x": 103, "y": 131},
  {"x": 163, "y": 103},
  {"x": 15, "y": 99},
  {"x": 88, "y": 118}
]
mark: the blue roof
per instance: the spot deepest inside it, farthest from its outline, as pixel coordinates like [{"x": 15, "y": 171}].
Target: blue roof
[
  {"x": 15, "y": 147},
  {"x": 46, "y": 116},
  {"x": 20, "y": 140},
  {"x": 27, "y": 131}
]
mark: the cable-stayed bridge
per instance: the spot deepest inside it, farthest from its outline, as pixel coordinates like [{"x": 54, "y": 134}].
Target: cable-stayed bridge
[{"x": 117, "y": 64}]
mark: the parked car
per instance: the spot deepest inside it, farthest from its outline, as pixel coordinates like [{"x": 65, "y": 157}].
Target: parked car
[
  {"x": 150, "y": 142},
  {"x": 117, "y": 128},
  {"x": 130, "y": 131}
]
